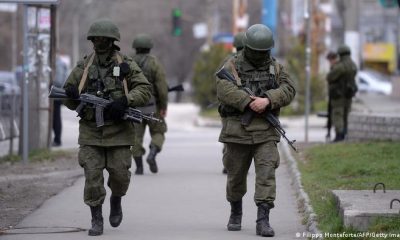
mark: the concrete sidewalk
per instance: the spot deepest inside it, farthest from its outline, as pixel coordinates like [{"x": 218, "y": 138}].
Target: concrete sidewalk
[{"x": 185, "y": 200}]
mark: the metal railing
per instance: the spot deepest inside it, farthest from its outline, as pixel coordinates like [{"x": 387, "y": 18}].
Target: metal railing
[{"x": 10, "y": 105}]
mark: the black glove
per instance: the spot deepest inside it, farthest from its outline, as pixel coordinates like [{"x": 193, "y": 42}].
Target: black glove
[
  {"x": 72, "y": 91},
  {"x": 116, "y": 108},
  {"x": 124, "y": 70}
]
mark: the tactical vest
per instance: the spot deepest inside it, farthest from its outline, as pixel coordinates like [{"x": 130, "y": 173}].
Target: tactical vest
[
  {"x": 142, "y": 61},
  {"x": 258, "y": 81},
  {"x": 102, "y": 83}
]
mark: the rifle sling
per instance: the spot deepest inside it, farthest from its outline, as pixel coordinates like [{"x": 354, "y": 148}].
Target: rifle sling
[
  {"x": 82, "y": 83},
  {"x": 119, "y": 59},
  {"x": 235, "y": 74}
]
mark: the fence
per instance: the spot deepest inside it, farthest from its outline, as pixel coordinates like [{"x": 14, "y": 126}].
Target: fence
[{"x": 10, "y": 105}]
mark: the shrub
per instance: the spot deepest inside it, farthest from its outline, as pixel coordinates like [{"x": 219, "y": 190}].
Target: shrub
[{"x": 204, "y": 88}]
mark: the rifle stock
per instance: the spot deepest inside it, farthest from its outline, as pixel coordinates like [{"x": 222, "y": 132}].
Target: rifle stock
[
  {"x": 247, "y": 117},
  {"x": 57, "y": 93},
  {"x": 177, "y": 88}
]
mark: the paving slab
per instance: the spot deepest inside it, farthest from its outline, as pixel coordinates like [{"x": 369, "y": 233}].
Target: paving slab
[{"x": 359, "y": 208}]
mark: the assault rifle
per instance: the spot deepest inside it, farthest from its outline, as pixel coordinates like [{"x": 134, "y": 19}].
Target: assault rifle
[
  {"x": 249, "y": 114},
  {"x": 131, "y": 114}
]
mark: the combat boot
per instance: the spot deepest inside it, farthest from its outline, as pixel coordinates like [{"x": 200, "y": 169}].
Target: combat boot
[
  {"x": 139, "y": 165},
  {"x": 263, "y": 228},
  {"x": 339, "y": 137},
  {"x": 97, "y": 221},
  {"x": 235, "y": 220},
  {"x": 151, "y": 158},
  {"x": 115, "y": 211}
]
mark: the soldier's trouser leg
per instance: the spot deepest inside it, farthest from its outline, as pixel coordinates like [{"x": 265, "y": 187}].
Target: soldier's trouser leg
[
  {"x": 93, "y": 161},
  {"x": 347, "y": 110},
  {"x": 338, "y": 116},
  {"x": 118, "y": 162},
  {"x": 237, "y": 160},
  {"x": 157, "y": 133},
  {"x": 266, "y": 160},
  {"x": 138, "y": 149}
]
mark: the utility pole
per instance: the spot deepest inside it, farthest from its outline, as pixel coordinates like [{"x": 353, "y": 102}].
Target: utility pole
[
  {"x": 351, "y": 29},
  {"x": 25, "y": 96},
  {"x": 307, "y": 19}
]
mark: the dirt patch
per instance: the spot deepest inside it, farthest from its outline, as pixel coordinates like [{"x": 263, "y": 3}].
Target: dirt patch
[{"x": 24, "y": 187}]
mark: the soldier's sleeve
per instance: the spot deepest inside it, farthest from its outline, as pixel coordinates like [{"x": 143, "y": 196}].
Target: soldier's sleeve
[
  {"x": 334, "y": 73},
  {"x": 230, "y": 94},
  {"x": 74, "y": 79},
  {"x": 160, "y": 86},
  {"x": 284, "y": 94},
  {"x": 139, "y": 88}
]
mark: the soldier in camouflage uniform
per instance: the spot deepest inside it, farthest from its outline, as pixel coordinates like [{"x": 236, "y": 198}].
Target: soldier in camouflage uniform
[
  {"x": 108, "y": 74},
  {"x": 342, "y": 88},
  {"x": 238, "y": 42},
  {"x": 154, "y": 72},
  {"x": 256, "y": 69}
]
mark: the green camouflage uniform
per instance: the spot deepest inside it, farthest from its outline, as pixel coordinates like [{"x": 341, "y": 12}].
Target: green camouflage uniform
[
  {"x": 342, "y": 88},
  {"x": 106, "y": 147},
  {"x": 259, "y": 139},
  {"x": 154, "y": 73}
]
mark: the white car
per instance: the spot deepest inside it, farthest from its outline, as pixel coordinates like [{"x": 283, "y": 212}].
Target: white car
[{"x": 373, "y": 82}]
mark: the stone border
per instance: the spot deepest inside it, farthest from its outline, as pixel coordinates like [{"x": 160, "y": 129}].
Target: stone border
[{"x": 303, "y": 200}]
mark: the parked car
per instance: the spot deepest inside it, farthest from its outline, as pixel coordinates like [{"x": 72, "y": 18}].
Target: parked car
[
  {"x": 373, "y": 82},
  {"x": 8, "y": 88},
  {"x": 8, "y": 83}
]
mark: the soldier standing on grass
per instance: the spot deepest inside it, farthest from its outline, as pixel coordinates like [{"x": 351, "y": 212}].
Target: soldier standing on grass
[
  {"x": 155, "y": 74},
  {"x": 255, "y": 69},
  {"x": 108, "y": 74},
  {"x": 332, "y": 57},
  {"x": 342, "y": 89}
]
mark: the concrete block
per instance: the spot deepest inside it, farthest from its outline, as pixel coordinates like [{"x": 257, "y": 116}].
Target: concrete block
[{"x": 359, "y": 208}]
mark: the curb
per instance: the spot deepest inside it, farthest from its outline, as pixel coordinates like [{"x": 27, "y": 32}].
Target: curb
[{"x": 303, "y": 201}]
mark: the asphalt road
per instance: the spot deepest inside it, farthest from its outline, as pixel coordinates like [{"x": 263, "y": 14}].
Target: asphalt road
[{"x": 185, "y": 200}]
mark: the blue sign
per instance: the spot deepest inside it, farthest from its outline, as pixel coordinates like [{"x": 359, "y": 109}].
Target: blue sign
[{"x": 269, "y": 15}]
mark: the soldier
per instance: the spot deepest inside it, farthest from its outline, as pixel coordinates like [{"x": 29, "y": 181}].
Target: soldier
[
  {"x": 238, "y": 42},
  {"x": 332, "y": 58},
  {"x": 108, "y": 74},
  {"x": 154, "y": 72},
  {"x": 342, "y": 88},
  {"x": 256, "y": 69},
  {"x": 60, "y": 77}
]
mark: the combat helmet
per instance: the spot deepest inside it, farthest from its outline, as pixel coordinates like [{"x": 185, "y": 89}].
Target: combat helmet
[
  {"x": 343, "y": 50},
  {"x": 238, "y": 40},
  {"x": 104, "y": 28},
  {"x": 142, "y": 41},
  {"x": 258, "y": 37}
]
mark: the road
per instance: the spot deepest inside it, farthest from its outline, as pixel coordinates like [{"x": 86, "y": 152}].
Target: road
[{"x": 185, "y": 200}]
